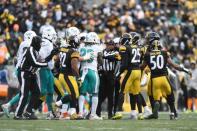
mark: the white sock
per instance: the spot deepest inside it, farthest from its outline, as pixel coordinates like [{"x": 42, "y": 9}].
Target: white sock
[
  {"x": 59, "y": 103},
  {"x": 94, "y": 105},
  {"x": 81, "y": 103},
  {"x": 64, "y": 108}
]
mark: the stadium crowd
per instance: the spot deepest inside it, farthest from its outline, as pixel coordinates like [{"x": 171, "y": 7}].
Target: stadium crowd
[{"x": 175, "y": 21}]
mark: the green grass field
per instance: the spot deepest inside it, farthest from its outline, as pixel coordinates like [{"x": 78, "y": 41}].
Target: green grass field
[{"x": 186, "y": 122}]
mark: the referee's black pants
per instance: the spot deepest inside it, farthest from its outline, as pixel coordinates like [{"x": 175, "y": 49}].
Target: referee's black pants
[
  {"x": 28, "y": 83},
  {"x": 118, "y": 97},
  {"x": 106, "y": 90}
]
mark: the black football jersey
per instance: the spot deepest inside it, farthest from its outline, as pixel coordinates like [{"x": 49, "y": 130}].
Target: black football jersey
[
  {"x": 157, "y": 61},
  {"x": 130, "y": 56},
  {"x": 66, "y": 55}
]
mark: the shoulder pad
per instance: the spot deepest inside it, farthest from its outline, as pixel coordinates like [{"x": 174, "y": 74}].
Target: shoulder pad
[
  {"x": 63, "y": 49},
  {"x": 122, "y": 49},
  {"x": 75, "y": 54}
]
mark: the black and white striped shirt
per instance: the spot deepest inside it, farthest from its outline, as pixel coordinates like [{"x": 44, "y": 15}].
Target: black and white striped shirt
[
  {"x": 109, "y": 60},
  {"x": 29, "y": 61}
]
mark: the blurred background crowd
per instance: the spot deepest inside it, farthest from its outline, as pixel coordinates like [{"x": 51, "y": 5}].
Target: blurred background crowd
[{"x": 174, "y": 20}]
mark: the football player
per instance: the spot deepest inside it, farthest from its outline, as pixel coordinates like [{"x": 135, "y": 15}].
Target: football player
[
  {"x": 130, "y": 69},
  {"x": 49, "y": 37},
  {"x": 157, "y": 61},
  {"x": 69, "y": 71},
  {"x": 89, "y": 76}
]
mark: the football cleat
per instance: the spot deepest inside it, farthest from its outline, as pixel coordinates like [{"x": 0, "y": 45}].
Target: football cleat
[
  {"x": 117, "y": 116},
  {"x": 133, "y": 115},
  {"x": 50, "y": 115},
  {"x": 95, "y": 117},
  {"x": 172, "y": 116},
  {"x": 18, "y": 118},
  {"x": 30, "y": 116},
  {"x": 147, "y": 112},
  {"x": 152, "y": 116},
  {"x": 5, "y": 108}
]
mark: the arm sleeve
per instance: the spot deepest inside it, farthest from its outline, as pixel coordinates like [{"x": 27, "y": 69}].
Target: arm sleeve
[
  {"x": 34, "y": 61},
  {"x": 124, "y": 59},
  {"x": 109, "y": 56}
]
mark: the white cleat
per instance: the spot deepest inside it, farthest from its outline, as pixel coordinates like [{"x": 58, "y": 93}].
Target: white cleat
[
  {"x": 6, "y": 109},
  {"x": 50, "y": 116},
  {"x": 133, "y": 115},
  {"x": 95, "y": 117},
  {"x": 147, "y": 112}
]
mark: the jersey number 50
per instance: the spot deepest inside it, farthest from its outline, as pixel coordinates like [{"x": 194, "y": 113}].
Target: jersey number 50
[{"x": 157, "y": 62}]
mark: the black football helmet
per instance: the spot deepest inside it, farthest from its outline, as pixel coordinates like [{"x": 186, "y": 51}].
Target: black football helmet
[
  {"x": 134, "y": 38},
  {"x": 152, "y": 39},
  {"x": 125, "y": 39},
  {"x": 151, "y": 36}
]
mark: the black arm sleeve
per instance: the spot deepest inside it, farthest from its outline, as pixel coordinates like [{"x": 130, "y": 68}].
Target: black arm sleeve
[
  {"x": 31, "y": 55},
  {"x": 124, "y": 61}
]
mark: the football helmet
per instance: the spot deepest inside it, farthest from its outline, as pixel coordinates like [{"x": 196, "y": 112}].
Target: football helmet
[
  {"x": 72, "y": 32},
  {"x": 50, "y": 34},
  {"x": 151, "y": 36},
  {"x": 135, "y": 37},
  {"x": 28, "y": 35},
  {"x": 125, "y": 39},
  {"x": 92, "y": 38},
  {"x": 152, "y": 39}
]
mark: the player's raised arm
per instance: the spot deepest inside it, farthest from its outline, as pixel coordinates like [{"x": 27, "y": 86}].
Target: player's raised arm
[{"x": 176, "y": 66}]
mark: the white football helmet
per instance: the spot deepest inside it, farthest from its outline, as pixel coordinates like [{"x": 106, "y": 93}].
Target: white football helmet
[
  {"x": 71, "y": 32},
  {"x": 50, "y": 34},
  {"x": 92, "y": 37},
  {"x": 28, "y": 35}
]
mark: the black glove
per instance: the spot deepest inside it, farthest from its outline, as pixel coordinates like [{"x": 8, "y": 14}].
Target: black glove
[{"x": 53, "y": 52}]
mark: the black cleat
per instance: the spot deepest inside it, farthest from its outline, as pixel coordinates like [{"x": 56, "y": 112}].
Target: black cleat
[
  {"x": 172, "y": 116},
  {"x": 152, "y": 116},
  {"x": 18, "y": 118},
  {"x": 30, "y": 116}
]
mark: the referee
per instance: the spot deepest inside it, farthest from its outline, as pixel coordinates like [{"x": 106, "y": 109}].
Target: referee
[
  {"x": 28, "y": 80},
  {"x": 107, "y": 77}
]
